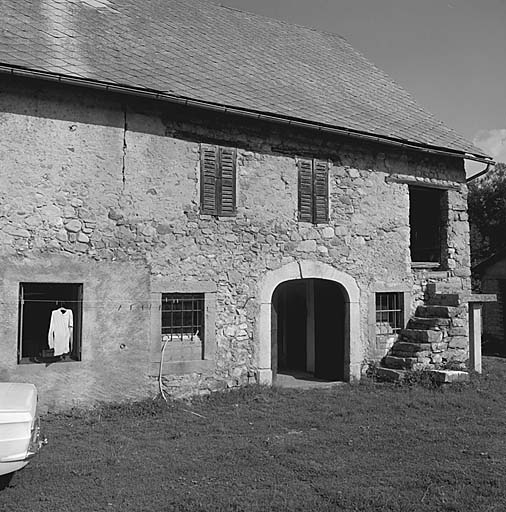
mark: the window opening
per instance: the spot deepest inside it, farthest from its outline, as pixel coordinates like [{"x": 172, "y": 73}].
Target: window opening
[
  {"x": 49, "y": 322},
  {"x": 425, "y": 220},
  {"x": 183, "y": 316},
  {"x": 389, "y": 313},
  {"x": 183, "y": 325}
]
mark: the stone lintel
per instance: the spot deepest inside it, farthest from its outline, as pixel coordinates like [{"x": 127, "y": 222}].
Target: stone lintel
[
  {"x": 414, "y": 180},
  {"x": 481, "y": 297},
  {"x": 449, "y": 376}
]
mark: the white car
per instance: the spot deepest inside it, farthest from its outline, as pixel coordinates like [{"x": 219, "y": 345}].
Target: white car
[{"x": 20, "y": 437}]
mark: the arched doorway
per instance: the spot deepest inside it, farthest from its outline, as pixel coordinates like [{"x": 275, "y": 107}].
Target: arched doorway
[
  {"x": 309, "y": 329},
  {"x": 267, "y": 321}
]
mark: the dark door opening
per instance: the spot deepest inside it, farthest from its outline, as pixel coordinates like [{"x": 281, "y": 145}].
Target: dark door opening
[
  {"x": 309, "y": 337},
  {"x": 36, "y": 304},
  {"x": 329, "y": 330}
]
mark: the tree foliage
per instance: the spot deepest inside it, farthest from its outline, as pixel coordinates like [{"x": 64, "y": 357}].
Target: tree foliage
[{"x": 487, "y": 213}]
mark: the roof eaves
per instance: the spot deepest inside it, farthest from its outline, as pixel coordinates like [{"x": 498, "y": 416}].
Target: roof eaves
[{"x": 187, "y": 101}]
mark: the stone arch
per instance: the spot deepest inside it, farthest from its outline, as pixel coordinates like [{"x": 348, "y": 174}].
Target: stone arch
[{"x": 308, "y": 270}]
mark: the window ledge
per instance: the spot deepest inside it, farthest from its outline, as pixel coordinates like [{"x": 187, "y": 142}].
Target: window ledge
[
  {"x": 432, "y": 265},
  {"x": 182, "y": 367},
  {"x": 47, "y": 360}
]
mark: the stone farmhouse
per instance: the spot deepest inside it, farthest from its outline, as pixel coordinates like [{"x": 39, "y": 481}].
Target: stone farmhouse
[{"x": 219, "y": 199}]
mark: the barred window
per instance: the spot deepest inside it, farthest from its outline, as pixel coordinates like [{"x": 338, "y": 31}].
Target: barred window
[
  {"x": 389, "y": 313},
  {"x": 183, "y": 316}
]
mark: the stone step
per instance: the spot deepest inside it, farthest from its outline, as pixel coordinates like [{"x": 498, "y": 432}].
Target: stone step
[
  {"x": 446, "y": 299},
  {"x": 450, "y": 285},
  {"x": 400, "y": 363},
  {"x": 420, "y": 335},
  {"x": 438, "y": 311},
  {"x": 449, "y": 376},
  {"x": 440, "y": 376},
  {"x": 428, "y": 323},
  {"x": 411, "y": 348},
  {"x": 389, "y": 374},
  {"x": 422, "y": 358}
]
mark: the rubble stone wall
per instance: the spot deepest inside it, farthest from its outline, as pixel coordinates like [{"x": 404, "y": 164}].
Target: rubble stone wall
[{"x": 90, "y": 181}]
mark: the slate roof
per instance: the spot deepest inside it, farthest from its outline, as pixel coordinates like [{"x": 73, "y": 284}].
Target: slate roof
[{"x": 199, "y": 50}]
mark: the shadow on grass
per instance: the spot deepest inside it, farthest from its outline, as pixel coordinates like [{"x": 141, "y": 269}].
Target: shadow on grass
[{"x": 5, "y": 480}]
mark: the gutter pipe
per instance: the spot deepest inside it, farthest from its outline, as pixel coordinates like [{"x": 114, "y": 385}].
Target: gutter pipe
[
  {"x": 163, "y": 96},
  {"x": 489, "y": 167}
]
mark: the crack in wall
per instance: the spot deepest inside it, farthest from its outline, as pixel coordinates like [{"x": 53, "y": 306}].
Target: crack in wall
[
  {"x": 125, "y": 127},
  {"x": 300, "y": 270}
]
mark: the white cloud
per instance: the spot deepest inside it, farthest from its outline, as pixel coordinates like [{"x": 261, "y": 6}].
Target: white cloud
[{"x": 493, "y": 142}]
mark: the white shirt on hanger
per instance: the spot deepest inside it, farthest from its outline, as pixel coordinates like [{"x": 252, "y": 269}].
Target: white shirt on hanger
[{"x": 60, "y": 331}]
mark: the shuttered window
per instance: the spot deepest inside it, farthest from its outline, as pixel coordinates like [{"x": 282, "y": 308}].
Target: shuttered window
[
  {"x": 218, "y": 181},
  {"x": 313, "y": 191}
]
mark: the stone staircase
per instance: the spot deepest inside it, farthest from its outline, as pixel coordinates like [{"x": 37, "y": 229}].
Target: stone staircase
[{"x": 435, "y": 339}]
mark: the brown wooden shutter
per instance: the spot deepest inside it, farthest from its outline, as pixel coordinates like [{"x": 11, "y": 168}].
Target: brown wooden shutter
[
  {"x": 320, "y": 191},
  {"x": 208, "y": 181},
  {"x": 305, "y": 191},
  {"x": 227, "y": 185}
]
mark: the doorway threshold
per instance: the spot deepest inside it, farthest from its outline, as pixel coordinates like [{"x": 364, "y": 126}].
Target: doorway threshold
[{"x": 303, "y": 380}]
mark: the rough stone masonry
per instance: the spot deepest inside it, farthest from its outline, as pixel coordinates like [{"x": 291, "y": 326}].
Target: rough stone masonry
[{"x": 104, "y": 191}]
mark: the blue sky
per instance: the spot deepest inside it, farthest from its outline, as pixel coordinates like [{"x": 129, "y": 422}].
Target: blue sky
[{"x": 451, "y": 55}]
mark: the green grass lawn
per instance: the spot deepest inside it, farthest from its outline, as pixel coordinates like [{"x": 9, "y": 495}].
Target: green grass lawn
[{"x": 366, "y": 447}]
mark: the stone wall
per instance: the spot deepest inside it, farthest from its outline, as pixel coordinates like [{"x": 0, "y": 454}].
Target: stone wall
[
  {"x": 114, "y": 327},
  {"x": 92, "y": 182}
]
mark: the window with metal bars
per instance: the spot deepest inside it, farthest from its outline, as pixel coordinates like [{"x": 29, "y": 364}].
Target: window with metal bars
[
  {"x": 389, "y": 313},
  {"x": 218, "y": 181},
  {"x": 183, "y": 316}
]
